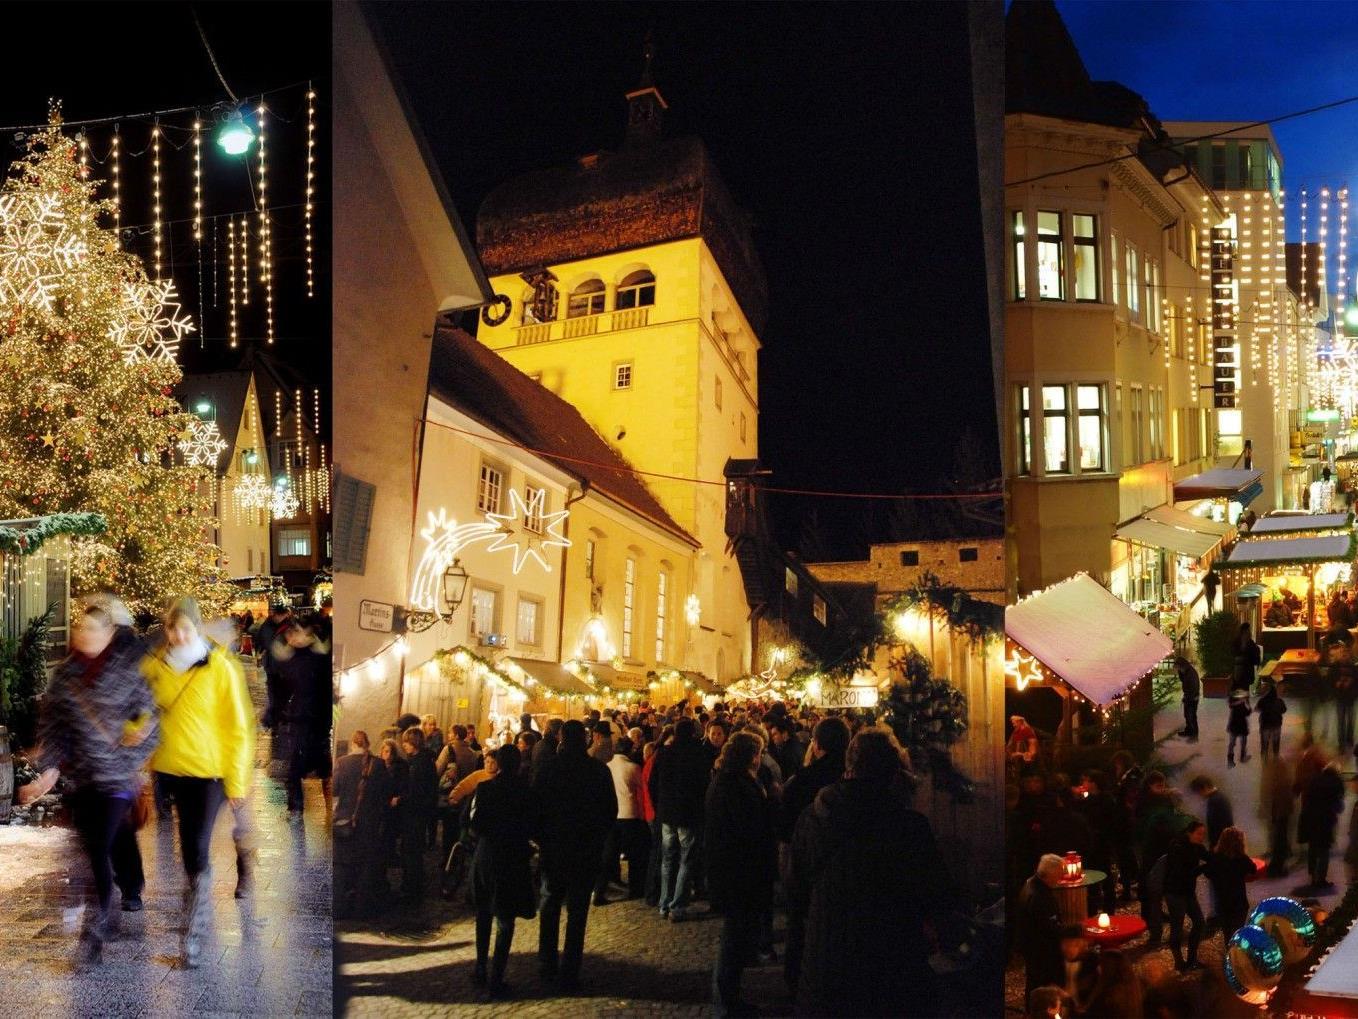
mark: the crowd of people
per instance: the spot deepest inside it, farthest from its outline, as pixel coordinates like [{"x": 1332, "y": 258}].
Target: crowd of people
[
  {"x": 751, "y": 808},
  {"x": 159, "y": 717},
  {"x": 1154, "y": 843}
]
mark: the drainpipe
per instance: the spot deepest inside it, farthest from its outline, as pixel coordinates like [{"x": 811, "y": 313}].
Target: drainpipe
[{"x": 571, "y": 500}]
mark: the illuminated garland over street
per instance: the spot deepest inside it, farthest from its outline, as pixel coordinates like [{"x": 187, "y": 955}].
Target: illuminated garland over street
[{"x": 28, "y": 540}]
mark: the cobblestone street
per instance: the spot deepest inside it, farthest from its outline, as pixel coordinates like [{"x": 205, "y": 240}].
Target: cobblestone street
[
  {"x": 267, "y": 956},
  {"x": 635, "y": 965}
]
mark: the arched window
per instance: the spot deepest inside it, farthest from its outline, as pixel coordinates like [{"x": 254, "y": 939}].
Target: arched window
[
  {"x": 586, "y": 299},
  {"x": 636, "y": 290}
]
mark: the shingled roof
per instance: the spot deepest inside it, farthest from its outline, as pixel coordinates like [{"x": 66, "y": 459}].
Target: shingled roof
[
  {"x": 613, "y": 201},
  {"x": 470, "y": 376}
]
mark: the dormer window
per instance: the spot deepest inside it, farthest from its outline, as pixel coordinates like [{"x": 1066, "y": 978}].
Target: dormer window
[
  {"x": 586, "y": 299},
  {"x": 636, "y": 290}
]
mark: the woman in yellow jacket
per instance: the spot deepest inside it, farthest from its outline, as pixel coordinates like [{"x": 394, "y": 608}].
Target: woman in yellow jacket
[{"x": 206, "y": 750}]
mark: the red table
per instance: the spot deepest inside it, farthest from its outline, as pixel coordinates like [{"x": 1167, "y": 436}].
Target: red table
[
  {"x": 1260, "y": 865},
  {"x": 1122, "y": 927}
]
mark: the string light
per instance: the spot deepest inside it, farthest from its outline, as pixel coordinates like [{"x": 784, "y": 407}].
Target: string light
[
  {"x": 231, "y": 277},
  {"x": 198, "y": 182},
  {"x": 155, "y": 191},
  {"x": 310, "y": 180},
  {"x": 115, "y": 158},
  {"x": 244, "y": 260},
  {"x": 265, "y": 242}
]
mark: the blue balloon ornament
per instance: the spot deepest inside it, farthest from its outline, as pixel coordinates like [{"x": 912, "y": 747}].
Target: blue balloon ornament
[
  {"x": 1253, "y": 964},
  {"x": 1289, "y": 923}
]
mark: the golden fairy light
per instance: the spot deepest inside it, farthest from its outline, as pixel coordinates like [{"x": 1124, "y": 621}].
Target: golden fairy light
[
  {"x": 244, "y": 260},
  {"x": 198, "y": 181},
  {"x": 155, "y": 192},
  {"x": 265, "y": 241},
  {"x": 310, "y": 182},
  {"x": 114, "y": 156},
  {"x": 231, "y": 277}
]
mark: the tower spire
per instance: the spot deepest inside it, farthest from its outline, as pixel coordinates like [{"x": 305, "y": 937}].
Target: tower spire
[{"x": 645, "y": 105}]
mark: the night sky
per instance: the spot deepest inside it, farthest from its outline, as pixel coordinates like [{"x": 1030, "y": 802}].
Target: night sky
[
  {"x": 116, "y": 59},
  {"x": 1241, "y": 61},
  {"x": 845, "y": 130}
]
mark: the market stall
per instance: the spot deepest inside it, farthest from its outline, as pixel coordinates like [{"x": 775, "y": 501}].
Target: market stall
[
  {"x": 1169, "y": 552},
  {"x": 1079, "y": 640},
  {"x": 1299, "y": 571},
  {"x": 1228, "y": 490}
]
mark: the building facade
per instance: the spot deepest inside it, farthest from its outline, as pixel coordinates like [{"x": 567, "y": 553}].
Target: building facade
[
  {"x": 975, "y": 565},
  {"x": 633, "y": 292}
]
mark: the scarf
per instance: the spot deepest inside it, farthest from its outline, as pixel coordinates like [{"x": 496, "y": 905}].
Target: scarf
[{"x": 186, "y": 656}]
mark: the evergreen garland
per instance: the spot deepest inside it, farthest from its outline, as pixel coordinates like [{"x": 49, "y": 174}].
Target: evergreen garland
[
  {"x": 27, "y": 539},
  {"x": 980, "y": 620},
  {"x": 928, "y": 715}
]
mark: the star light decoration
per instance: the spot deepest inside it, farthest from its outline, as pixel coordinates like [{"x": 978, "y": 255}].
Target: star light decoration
[
  {"x": 527, "y": 529},
  {"x": 36, "y": 247},
  {"x": 202, "y": 444},
  {"x": 1021, "y": 667},
  {"x": 150, "y": 326}
]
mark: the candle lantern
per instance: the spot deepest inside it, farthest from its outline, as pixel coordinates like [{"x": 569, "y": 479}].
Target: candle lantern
[
  {"x": 1074, "y": 868},
  {"x": 1104, "y": 922}
]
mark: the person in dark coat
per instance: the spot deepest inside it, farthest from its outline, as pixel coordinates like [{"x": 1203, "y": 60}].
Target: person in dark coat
[
  {"x": 1210, "y": 582},
  {"x": 1191, "y": 686},
  {"x": 1321, "y": 804},
  {"x": 1248, "y": 656},
  {"x": 273, "y": 628},
  {"x": 1238, "y": 727},
  {"x": 785, "y": 748},
  {"x": 545, "y": 751},
  {"x": 361, "y": 794},
  {"x": 678, "y": 787},
  {"x": 302, "y": 665},
  {"x": 398, "y": 775},
  {"x": 502, "y": 816},
  {"x": 1037, "y": 926},
  {"x": 417, "y": 801},
  {"x": 1228, "y": 868},
  {"x": 1217, "y": 807},
  {"x": 1101, "y": 815},
  {"x": 868, "y": 876},
  {"x": 741, "y": 863},
  {"x": 1345, "y": 681},
  {"x": 579, "y": 807},
  {"x": 1186, "y": 859},
  {"x": 1270, "y": 710}
]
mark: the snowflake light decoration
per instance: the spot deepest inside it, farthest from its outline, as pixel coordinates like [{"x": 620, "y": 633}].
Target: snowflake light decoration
[
  {"x": 36, "y": 247},
  {"x": 252, "y": 492},
  {"x": 284, "y": 504},
  {"x": 150, "y": 326},
  {"x": 527, "y": 529},
  {"x": 203, "y": 445}
]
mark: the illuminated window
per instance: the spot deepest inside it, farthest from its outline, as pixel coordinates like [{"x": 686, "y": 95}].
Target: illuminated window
[
  {"x": 629, "y": 590},
  {"x": 1020, "y": 258},
  {"x": 1117, "y": 270},
  {"x": 818, "y": 608},
  {"x": 294, "y": 542},
  {"x": 1086, "y": 257},
  {"x": 530, "y": 614},
  {"x": 662, "y": 591},
  {"x": 1025, "y": 430},
  {"x": 790, "y": 581},
  {"x": 489, "y": 489},
  {"x": 1091, "y": 412},
  {"x": 1055, "y": 430},
  {"x": 622, "y": 375},
  {"x": 586, "y": 299},
  {"x": 534, "y": 508},
  {"x": 636, "y": 290},
  {"x": 485, "y": 610},
  {"x": 1136, "y": 448},
  {"x": 589, "y": 559},
  {"x": 1133, "y": 283},
  {"x": 1051, "y": 258}
]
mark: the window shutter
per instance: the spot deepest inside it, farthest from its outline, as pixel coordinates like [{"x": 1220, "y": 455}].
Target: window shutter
[{"x": 353, "y": 520}]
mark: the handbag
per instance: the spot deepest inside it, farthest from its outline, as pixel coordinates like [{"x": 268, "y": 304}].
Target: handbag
[{"x": 344, "y": 827}]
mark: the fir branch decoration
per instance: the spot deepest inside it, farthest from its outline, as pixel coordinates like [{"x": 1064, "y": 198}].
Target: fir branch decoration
[{"x": 28, "y": 539}]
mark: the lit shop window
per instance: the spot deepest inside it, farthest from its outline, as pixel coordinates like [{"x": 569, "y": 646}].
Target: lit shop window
[
  {"x": 1091, "y": 412},
  {"x": 1055, "y": 430},
  {"x": 1020, "y": 259},
  {"x": 1051, "y": 264},
  {"x": 1086, "y": 257}
]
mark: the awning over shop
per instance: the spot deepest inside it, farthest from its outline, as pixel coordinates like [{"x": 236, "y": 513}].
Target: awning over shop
[
  {"x": 553, "y": 676},
  {"x": 1334, "y": 548},
  {"x": 1188, "y": 521},
  {"x": 1222, "y": 483},
  {"x": 1292, "y": 523},
  {"x": 1193, "y": 544},
  {"x": 1088, "y": 637}
]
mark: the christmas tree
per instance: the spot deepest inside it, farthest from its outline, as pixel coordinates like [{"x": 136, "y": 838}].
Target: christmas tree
[{"x": 87, "y": 419}]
